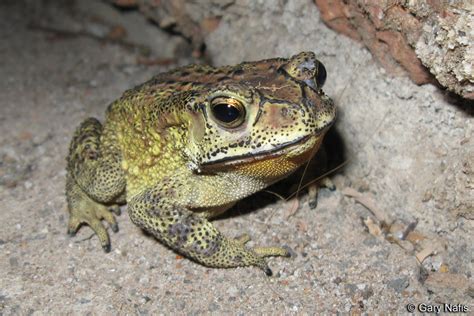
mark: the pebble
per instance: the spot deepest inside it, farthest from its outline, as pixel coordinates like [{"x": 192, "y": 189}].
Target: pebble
[{"x": 399, "y": 284}]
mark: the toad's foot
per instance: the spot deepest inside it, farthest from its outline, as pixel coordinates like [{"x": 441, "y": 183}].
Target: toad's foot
[
  {"x": 84, "y": 210},
  {"x": 263, "y": 252},
  {"x": 314, "y": 188}
]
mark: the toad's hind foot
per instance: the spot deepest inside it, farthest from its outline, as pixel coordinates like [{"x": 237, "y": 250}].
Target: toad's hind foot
[
  {"x": 84, "y": 210},
  {"x": 263, "y": 252},
  {"x": 272, "y": 251},
  {"x": 313, "y": 190}
]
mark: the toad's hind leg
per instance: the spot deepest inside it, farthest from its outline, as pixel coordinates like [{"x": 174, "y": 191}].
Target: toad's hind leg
[
  {"x": 95, "y": 182},
  {"x": 194, "y": 236}
]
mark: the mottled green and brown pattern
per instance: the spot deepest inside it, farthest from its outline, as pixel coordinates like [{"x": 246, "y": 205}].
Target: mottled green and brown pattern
[{"x": 186, "y": 145}]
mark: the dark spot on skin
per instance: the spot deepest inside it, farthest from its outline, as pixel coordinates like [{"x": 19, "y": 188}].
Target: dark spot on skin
[
  {"x": 179, "y": 231},
  {"x": 238, "y": 72},
  {"x": 213, "y": 246},
  {"x": 222, "y": 78}
]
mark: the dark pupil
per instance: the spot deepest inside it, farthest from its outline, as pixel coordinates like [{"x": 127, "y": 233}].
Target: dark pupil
[
  {"x": 225, "y": 112},
  {"x": 321, "y": 76}
]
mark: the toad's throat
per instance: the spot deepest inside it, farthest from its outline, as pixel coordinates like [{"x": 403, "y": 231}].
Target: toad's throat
[{"x": 281, "y": 150}]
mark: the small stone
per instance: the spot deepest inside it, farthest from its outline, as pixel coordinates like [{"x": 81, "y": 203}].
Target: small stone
[
  {"x": 361, "y": 286},
  {"x": 470, "y": 292},
  {"x": 14, "y": 262},
  {"x": 368, "y": 292},
  {"x": 213, "y": 307},
  {"x": 399, "y": 284},
  {"x": 351, "y": 288},
  {"x": 427, "y": 196},
  {"x": 444, "y": 268},
  {"x": 144, "y": 280},
  {"x": 180, "y": 305},
  {"x": 146, "y": 299},
  {"x": 232, "y": 291}
]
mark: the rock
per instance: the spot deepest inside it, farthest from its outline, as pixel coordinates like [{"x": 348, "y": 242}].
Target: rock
[{"x": 414, "y": 35}]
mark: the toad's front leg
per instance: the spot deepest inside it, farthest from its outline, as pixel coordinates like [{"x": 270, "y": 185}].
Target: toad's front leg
[{"x": 194, "y": 236}]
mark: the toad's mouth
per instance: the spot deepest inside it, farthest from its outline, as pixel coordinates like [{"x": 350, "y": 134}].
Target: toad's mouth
[{"x": 288, "y": 148}]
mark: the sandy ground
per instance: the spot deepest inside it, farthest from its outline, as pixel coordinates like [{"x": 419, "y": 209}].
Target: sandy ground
[{"x": 409, "y": 149}]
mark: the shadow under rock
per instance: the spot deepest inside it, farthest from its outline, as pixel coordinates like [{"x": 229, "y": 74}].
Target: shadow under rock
[{"x": 465, "y": 105}]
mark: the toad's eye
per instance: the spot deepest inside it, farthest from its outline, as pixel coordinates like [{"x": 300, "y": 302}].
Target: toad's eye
[
  {"x": 320, "y": 75},
  {"x": 228, "y": 112}
]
